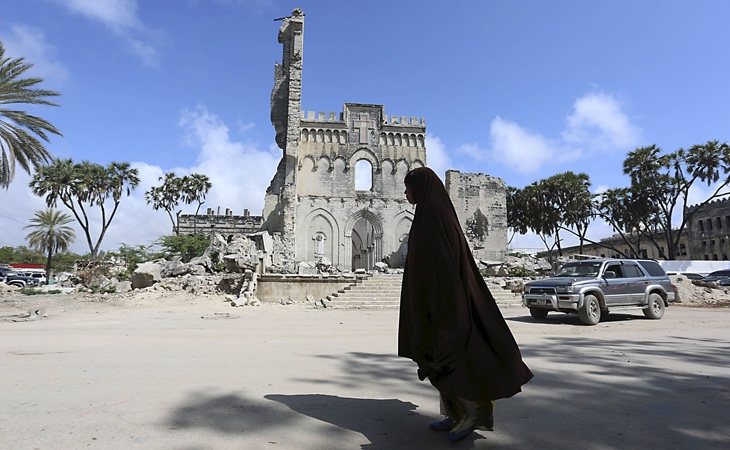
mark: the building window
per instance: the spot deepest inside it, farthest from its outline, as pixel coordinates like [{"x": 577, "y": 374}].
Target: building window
[
  {"x": 714, "y": 256},
  {"x": 603, "y": 255},
  {"x": 724, "y": 256},
  {"x": 643, "y": 253},
  {"x": 363, "y": 175},
  {"x": 706, "y": 257},
  {"x": 709, "y": 224},
  {"x": 727, "y": 222},
  {"x": 712, "y": 243},
  {"x": 719, "y": 223},
  {"x": 701, "y": 225},
  {"x": 683, "y": 249},
  {"x": 704, "y": 245}
]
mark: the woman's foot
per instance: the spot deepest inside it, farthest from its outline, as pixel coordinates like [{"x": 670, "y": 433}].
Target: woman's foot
[
  {"x": 443, "y": 425},
  {"x": 463, "y": 429}
]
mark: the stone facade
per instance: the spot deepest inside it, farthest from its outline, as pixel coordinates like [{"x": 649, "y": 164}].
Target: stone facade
[
  {"x": 338, "y": 190},
  {"x": 480, "y": 202},
  {"x": 709, "y": 230},
  {"x": 227, "y": 224}
]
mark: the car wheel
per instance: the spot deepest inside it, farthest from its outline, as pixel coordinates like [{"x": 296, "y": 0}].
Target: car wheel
[
  {"x": 590, "y": 313},
  {"x": 19, "y": 284},
  {"x": 655, "y": 309},
  {"x": 538, "y": 313}
]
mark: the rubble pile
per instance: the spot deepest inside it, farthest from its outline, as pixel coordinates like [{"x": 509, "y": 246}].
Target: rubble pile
[{"x": 698, "y": 293}]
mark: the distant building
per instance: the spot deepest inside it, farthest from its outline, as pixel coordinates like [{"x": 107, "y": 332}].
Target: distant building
[
  {"x": 226, "y": 224},
  {"x": 646, "y": 248},
  {"x": 709, "y": 230}
]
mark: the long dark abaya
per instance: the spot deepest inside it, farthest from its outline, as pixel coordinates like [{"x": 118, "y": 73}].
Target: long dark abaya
[{"x": 450, "y": 324}]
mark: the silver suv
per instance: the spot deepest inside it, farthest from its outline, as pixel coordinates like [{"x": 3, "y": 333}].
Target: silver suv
[{"x": 593, "y": 287}]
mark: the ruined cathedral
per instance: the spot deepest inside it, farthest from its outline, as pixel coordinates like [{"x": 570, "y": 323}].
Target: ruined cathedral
[{"x": 338, "y": 190}]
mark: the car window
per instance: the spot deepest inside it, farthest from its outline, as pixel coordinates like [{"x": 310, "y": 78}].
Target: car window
[
  {"x": 616, "y": 269},
  {"x": 632, "y": 271},
  {"x": 579, "y": 269},
  {"x": 653, "y": 268}
]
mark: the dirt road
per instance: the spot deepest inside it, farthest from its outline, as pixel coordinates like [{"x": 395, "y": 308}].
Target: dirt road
[{"x": 176, "y": 375}]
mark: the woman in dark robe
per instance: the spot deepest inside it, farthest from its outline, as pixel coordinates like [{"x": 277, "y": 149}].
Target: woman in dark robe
[{"x": 450, "y": 324}]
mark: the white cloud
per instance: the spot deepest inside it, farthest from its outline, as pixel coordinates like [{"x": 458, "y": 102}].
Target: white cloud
[
  {"x": 597, "y": 122},
  {"x": 239, "y": 172},
  {"x": 518, "y": 148},
  {"x": 27, "y": 42},
  {"x": 121, "y": 17},
  {"x": 437, "y": 157}
]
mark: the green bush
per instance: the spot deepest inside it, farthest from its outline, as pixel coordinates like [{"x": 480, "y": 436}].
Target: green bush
[{"x": 187, "y": 246}]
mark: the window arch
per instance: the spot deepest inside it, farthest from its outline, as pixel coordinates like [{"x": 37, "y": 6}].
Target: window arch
[{"x": 363, "y": 175}]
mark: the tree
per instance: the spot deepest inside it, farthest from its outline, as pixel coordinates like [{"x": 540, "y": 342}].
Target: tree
[
  {"x": 18, "y": 130},
  {"x": 188, "y": 189},
  {"x": 532, "y": 209},
  {"x": 195, "y": 188},
  {"x": 572, "y": 199},
  {"x": 50, "y": 234},
  {"x": 662, "y": 183},
  {"x": 84, "y": 186},
  {"x": 166, "y": 197}
]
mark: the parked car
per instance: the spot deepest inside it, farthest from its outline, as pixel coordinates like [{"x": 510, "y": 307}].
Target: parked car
[
  {"x": 721, "y": 277},
  {"x": 687, "y": 275},
  {"x": 591, "y": 288},
  {"x": 40, "y": 276},
  {"x": 16, "y": 279}
]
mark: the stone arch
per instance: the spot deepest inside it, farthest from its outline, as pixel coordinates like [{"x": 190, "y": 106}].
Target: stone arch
[
  {"x": 339, "y": 164},
  {"x": 383, "y": 139},
  {"x": 391, "y": 139},
  {"x": 366, "y": 153},
  {"x": 399, "y": 237},
  {"x": 303, "y": 135},
  {"x": 377, "y": 225},
  {"x": 320, "y": 135},
  {"x": 343, "y": 137},
  {"x": 308, "y": 162},
  {"x": 421, "y": 141},
  {"x": 388, "y": 166},
  {"x": 328, "y": 136},
  {"x": 320, "y": 223},
  {"x": 398, "y": 140},
  {"x": 417, "y": 163},
  {"x": 324, "y": 163}
]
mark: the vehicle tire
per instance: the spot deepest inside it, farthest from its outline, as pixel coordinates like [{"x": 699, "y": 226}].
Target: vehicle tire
[
  {"x": 655, "y": 309},
  {"x": 590, "y": 313},
  {"x": 538, "y": 313}
]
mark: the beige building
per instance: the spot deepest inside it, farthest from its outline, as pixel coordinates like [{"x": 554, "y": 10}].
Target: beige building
[{"x": 338, "y": 191}]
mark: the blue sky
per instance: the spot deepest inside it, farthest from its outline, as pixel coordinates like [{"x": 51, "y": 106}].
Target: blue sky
[{"x": 517, "y": 89}]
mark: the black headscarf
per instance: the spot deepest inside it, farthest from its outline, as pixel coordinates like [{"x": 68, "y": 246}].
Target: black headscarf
[{"x": 450, "y": 324}]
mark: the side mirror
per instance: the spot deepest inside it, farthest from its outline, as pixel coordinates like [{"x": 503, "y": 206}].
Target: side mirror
[{"x": 609, "y": 274}]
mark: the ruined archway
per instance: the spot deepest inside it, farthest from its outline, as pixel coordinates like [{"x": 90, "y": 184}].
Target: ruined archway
[{"x": 363, "y": 240}]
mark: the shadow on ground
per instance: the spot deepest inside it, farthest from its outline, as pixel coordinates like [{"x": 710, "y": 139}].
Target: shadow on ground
[{"x": 587, "y": 393}]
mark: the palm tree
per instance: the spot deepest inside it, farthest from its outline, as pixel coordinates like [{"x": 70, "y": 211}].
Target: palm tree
[
  {"x": 51, "y": 234},
  {"x": 18, "y": 144}
]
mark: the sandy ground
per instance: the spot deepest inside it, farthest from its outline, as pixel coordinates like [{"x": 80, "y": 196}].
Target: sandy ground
[{"x": 170, "y": 373}]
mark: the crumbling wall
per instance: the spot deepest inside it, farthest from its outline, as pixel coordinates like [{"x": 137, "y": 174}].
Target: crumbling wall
[{"x": 481, "y": 205}]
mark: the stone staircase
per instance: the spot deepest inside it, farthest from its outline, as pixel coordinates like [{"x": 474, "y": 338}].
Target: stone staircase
[
  {"x": 383, "y": 291},
  {"x": 377, "y": 291}
]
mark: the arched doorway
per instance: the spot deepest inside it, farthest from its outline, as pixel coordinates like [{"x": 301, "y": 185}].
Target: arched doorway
[
  {"x": 363, "y": 245},
  {"x": 363, "y": 240}
]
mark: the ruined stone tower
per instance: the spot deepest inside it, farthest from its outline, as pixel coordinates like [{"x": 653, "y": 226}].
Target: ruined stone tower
[
  {"x": 338, "y": 189},
  {"x": 313, "y": 201}
]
